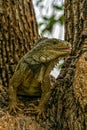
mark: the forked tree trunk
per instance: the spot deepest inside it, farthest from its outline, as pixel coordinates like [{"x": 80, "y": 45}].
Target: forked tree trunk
[
  {"x": 67, "y": 108},
  {"x": 18, "y": 31}
]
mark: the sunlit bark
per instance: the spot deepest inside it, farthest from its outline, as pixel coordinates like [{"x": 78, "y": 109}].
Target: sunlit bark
[{"x": 18, "y": 31}]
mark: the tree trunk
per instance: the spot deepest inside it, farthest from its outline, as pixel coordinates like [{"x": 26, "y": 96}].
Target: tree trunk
[
  {"x": 18, "y": 31},
  {"x": 67, "y": 108},
  {"x": 71, "y": 95}
]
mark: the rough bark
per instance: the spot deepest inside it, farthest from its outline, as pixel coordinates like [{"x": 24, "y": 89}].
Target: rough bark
[
  {"x": 71, "y": 90},
  {"x": 67, "y": 108},
  {"x": 18, "y": 31}
]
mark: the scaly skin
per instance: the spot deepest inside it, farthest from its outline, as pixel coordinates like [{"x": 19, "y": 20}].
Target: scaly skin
[{"x": 31, "y": 76}]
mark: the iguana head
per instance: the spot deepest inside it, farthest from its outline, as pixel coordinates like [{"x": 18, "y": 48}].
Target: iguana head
[{"x": 46, "y": 50}]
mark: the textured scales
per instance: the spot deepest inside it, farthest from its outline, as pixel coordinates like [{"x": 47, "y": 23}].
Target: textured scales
[
  {"x": 31, "y": 76},
  {"x": 46, "y": 50}
]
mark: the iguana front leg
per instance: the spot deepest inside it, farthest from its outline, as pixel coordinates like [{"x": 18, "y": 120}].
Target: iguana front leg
[
  {"x": 46, "y": 89},
  {"x": 13, "y": 104},
  {"x": 15, "y": 82},
  {"x": 46, "y": 93}
]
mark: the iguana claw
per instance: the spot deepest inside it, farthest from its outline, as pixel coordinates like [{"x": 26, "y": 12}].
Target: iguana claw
[
  {"x": 37, "y": 110},
  {"x": 14, "y": 107}
]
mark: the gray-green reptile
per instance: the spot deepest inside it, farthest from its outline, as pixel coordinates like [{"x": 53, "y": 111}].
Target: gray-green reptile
[{"x": 31, "y": 76}]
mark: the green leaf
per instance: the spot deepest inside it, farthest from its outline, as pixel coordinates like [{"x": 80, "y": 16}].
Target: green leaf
[
  {"x": 45, "y": 18},
  {"x": 61, "y": 20},
  {"x": 59, "y": 8},
  {"x": 40, "y": 24},
  {"x": 60, "y": 66}
]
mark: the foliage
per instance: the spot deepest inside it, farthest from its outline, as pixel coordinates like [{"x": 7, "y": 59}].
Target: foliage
[{"x": 51, "y": 13}]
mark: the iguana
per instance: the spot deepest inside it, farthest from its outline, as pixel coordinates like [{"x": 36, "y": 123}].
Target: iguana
[{"x": 31, "y": 76}]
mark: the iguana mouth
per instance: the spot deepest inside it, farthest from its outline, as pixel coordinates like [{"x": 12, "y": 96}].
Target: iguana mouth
[
  {"x": 66, "y": 49},
  {"x": 61, "y": 49}
]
